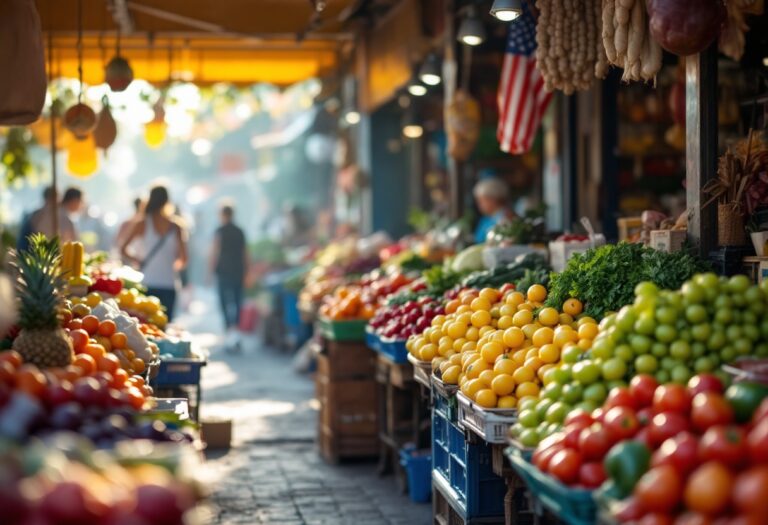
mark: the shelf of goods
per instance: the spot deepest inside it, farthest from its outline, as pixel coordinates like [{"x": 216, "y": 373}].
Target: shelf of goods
[
  {"x": 346, "y": 389},
  {"x": 422, "y": 371}
]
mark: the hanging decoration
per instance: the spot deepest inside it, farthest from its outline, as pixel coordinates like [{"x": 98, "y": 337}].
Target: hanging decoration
[
  {"x": 119, "y": 73},
  {"x": 105, "y": 132},
  {"x": 686, "y": 27},
  {"x": 155, "y": 129},
  {"x": 80, "y": 119},
  {"x": 82, "y": 157},
  {"x": 22, "y": 60}
]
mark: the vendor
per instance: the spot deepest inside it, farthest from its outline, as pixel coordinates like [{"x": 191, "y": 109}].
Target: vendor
[{"x": 491, "y": 197}]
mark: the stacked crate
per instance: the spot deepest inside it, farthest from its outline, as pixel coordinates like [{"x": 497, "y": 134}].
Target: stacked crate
[{"x": 346, "y": 389}]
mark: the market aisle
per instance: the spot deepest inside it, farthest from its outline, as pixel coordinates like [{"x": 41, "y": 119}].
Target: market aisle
[{"x": 273, "y": 474}]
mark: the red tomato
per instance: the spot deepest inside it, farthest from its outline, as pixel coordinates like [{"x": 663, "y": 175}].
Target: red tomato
[
  {"x": 572, "y": 433},
  {"x": 642, "y": 388},
  {"x": 619, "y": 396},
  {"x": 761, "y": 412},
  {"x": 655, "y": 519},
  {"x": 672, "y": 398},
  {"x": 680, "y": 451},
  {"x": 542, "y": 456},
  {"x": 659, "y": 489},
  {"x": 666, "y": 425},
  {"x": 693, "y": 518},
  {"x": 565, "y": 466},
  {"x": 705, "y": 383},
  {"x": 708, "y": 489},
  {"x": 757, "y": 443},
  {"x": 592, "y": 475},
  {"x": 644, "y": 436},
  {"x": 598, "y": 414},
  {"x": 595, "y": 442},
  {"x": 645, "y": 415},
  {"x": 724, "y": 443},
  {"x": 506, "y": 287},
  {"x": 709, "y": 409},
  {"x": 628, "y": 510},
  {"x": 621, "y": 423},
  {"x": 750, "y": 491},
  {"x": 577, "y": 416}
]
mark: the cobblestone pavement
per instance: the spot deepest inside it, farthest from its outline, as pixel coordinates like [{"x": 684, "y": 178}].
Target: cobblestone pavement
[{"x": 274, "y": 474}]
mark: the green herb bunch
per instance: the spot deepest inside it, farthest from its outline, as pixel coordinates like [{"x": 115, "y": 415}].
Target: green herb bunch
[{"x": 604, "y": 278}]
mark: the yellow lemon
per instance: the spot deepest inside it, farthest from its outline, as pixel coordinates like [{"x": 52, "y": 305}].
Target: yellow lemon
[
  {"x": 435, "y": 335},
  {"x": 473, "y": 334},
  {"x": 503, "y": 385},
  {"x": 472, "y": 387},
  {"x": 428, "y": 352},
  {"x": 519, "y": 357},
  {"x": 522, "y": 318},
  {"x": 537, "y": 293},
  {"x": 464, "y": 309},
  {"x": 456, "y": 330},
  {"x": 588, "y": 330},
  {"x": 507, "y": 402},
  {"x": 513, "y": 337},
  {"x": 585, "y": 344},
  {"x": 507, "y": 310},
  {"x": 451, "y": 374},
  {"x": 469, "y": 346},
  {"x": 490, "y": 351},
  {"x": 481, "y": 318},
  {"x": 534, "y": 363},
  {"x": 475, "y": 369},
  {"x": 505, "y": 322},
  {"x": 455, "y": 359},
  {"x": 564, "y": 335},
  {"x": 487, "y": 376},
  {"x": 505, "y": 365},
  {"x": 523, "y": 374},
  {"x": 549, "y": 316},
  {"x": 543, "y": 336},
  {"x": 587, "y": 320},
  {"x": 566, "y": 319},
  {"x": 486, "y": 398},
  {"x": 527, "y": 389},
  {"x": 515, "y": 299},
  {"x": 490, "y": 294},
  {"x": 549, "y": 353},
  {"x": 480, "y": 304}
]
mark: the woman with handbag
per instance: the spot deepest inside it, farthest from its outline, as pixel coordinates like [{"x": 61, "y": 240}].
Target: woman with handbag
[{"x": 161, "y": 248}]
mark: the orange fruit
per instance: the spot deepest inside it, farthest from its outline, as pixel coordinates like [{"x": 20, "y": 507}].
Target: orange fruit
[
  {"x": 86, "y": 362},
  {"x": 452, "y": 306},
  {"x": 12, "y": 357},
  {"x": 94, "y": 350},
  {"x": 31, "y": 380},
  {"x": 138, "y": 365},
  {"x": 75, "y": 324},
  {"x": 135, "y": 397},
  {"x": 107, "y": 328},
  {"x": 118, "y": 340},
  {"x": 108, "y": 363},
  {"x": 91, "y": 324}
]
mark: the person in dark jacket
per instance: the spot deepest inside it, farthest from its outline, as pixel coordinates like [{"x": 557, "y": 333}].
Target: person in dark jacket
[{"x": 229, "y": 262}]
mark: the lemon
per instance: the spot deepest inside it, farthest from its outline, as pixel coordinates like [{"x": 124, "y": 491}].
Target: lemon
[
  {"x": 549, "y": 316},
  {"x": 487, "y": 377},
  {"x": 522, "y": 318},
  {"x": 505, "y": 322},
  {"x": 523, "y": 374},
  {"x": 515, "y": 299},
  {"x": 490, "y": 294},
  {"x": 507, "y": 402},
  {"x": 481, "y": 318},
  {"x": 573, "y": 307},
  {"x": 486, "y": 398},
  {"x": 503, "y": 385},
  {"x": 451, "y": 374},
  {"x": 549, "y": 353},
  {"x": 537, "y": 293},
  {"x": 481, "y": 304},
  {"x": 588, "y": 330},
  {"x": 505, "y": 365},
  {"x": 543, "y": 336},
  {"x": 527, "y": 389},
  {"x": 490, "y": 351}
]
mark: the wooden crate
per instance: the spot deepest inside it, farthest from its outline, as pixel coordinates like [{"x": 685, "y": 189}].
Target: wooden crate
[
  {"x": 349, "y": 407},
  {"x": 335, "y": 447},
  {"x": 340, "y": 361}
]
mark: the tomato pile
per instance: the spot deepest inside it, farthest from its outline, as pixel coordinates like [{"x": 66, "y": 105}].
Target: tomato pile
[{"x": 669, "y": 453}]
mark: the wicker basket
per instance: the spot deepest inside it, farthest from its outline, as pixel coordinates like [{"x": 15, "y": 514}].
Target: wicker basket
[{"x": 730, "y": 226}]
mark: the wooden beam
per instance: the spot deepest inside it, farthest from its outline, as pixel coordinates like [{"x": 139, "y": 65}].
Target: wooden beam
[{"x": 701, "y": 146}]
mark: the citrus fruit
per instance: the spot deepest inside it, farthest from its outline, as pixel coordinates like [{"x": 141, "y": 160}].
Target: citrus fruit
[
  {"x": 486, "y": 398},
  {"x": 573, "y": 307},
  {"x": 549, "y": 316},
  {"x": 503, "y": 385},
  {"x": 537, "y": 293}
]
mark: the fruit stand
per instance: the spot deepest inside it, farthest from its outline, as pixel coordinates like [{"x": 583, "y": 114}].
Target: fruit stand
[{"x": 76, "y": 397}]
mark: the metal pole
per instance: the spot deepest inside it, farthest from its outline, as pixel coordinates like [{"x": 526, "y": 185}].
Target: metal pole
[{"x": 701, "y": 145}]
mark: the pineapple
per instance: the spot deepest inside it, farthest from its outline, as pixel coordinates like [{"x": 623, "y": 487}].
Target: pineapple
[{"x": 41, "y": 341}]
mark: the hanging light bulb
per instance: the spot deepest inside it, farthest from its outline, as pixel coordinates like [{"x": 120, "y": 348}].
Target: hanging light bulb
[
  {"x": 471, "y": 31},
  {"x": 416, "y": 88},
  {"x": 155, "y": 129},
  {"x": 82, "y": 158},
  {"x": 430, "y": 71},
  {"x": 352, "y": 117},
  {"x": 413, "y": 131},
  {"x": 506, "y": 10}
]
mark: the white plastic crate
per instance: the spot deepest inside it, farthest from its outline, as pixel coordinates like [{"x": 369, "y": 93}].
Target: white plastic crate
[
  {"x": 491, "y": 424},
  {"x": 422, "y": 370},
  {"x": 561, "y": 251}
]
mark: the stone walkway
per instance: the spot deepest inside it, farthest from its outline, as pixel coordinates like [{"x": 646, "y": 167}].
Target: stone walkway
[{"x": 274, "y": 474}]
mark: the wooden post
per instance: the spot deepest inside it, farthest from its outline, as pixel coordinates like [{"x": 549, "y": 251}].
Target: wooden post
[
  {"x": 454, "y": 168},
  {"x": 701, "y": 146}
]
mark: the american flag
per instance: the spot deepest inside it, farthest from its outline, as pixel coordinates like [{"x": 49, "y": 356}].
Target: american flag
[{"x": 522, "y": 98}]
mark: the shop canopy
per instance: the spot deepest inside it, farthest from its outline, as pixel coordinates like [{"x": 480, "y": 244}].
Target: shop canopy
[{"x": 206, "y": 41}]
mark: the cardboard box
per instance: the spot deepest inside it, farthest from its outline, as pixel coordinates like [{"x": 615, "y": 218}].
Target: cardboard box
[
  {"x": 216, "y": 432},
  {"x": 561, "y": 251},
  {"x": 669, "y": 241}
]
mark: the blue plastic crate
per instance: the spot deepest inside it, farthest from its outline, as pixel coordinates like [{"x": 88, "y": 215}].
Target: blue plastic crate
[
  {"x": 372, "y": 340},
  {"x": 394, "y": 350},
  {"x": 447, "y": 406},
  {"x": 178, "y": 372},
  {"x": 467, "y": 469},
  {"x": 418, "y": 470},
  {"x": 291, "y": 314},
  {"x": 440, "y": 455}
]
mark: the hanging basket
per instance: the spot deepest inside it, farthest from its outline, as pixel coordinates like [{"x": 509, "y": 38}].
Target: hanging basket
[{"x": 730, "y": 226}]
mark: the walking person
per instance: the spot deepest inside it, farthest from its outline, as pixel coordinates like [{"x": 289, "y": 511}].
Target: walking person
[
  {"x": 160, "y": 250},
  {"x": 228, "y": 262},
  {"x": 41, "y": 220}
]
